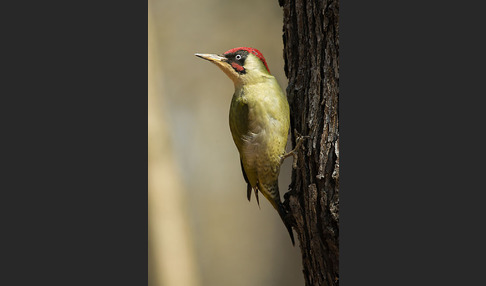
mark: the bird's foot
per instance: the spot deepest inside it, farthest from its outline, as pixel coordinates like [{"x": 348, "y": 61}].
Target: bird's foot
[{"x": 294, "y": 152}]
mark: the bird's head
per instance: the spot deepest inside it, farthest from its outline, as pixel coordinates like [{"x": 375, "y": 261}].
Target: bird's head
[{"x": 242, "y": 65}]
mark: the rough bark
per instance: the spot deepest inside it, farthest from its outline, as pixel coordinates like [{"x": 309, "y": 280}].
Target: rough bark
[{"x": 311, "y": 50}]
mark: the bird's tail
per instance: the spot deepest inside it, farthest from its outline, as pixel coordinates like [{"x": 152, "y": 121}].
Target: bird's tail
[
  {"x": 272, "y": 194},
  {"x": 283, "y": 216}
]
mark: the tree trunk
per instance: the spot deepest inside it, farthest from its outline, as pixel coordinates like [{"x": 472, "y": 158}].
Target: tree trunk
[{"x": 311, "y": 50}]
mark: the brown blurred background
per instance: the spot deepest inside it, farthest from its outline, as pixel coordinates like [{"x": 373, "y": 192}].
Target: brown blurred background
[{"x": 202, "y": 229}]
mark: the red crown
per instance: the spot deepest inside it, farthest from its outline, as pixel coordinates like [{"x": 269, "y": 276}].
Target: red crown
[{"x": 250, "y": 50}]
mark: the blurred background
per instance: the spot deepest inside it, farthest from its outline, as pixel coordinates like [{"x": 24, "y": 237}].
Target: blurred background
[{"x": 202, "y": 229}]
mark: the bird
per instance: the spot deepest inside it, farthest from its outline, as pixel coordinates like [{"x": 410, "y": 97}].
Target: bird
[{"x": 259, "y": 120}]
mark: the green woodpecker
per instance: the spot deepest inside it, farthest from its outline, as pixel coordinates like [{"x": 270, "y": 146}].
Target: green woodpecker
[{"x": 259, "y": 121}]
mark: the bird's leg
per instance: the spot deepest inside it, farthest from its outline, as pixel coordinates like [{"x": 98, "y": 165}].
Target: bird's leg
[{"x": 294, "y": 152}]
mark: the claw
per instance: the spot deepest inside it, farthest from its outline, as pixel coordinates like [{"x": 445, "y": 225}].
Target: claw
[{"x": 294, "y": 152}]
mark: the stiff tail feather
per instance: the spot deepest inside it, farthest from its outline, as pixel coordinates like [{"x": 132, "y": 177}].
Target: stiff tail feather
[
  {"x": 273, "y": 195},
  {"x": 283, "y": 213}
]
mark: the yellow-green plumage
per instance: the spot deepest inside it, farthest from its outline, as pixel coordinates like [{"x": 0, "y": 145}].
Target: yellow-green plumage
[{"x": 259, "y": 121}]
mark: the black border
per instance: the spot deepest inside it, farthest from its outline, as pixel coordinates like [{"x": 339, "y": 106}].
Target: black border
[
  {"x": 409, "y": 201},
  {"x": 77, "y": 155}
]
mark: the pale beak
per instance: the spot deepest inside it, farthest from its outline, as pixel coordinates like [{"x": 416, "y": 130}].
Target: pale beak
[
  {"x": 222, "y": 63},
  {"x": 211, "y": 57}
]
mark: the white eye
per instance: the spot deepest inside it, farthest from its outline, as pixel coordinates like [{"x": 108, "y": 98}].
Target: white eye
[{"x": 238, "y": 57}]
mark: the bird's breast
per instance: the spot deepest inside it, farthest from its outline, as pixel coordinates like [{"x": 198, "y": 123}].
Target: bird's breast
[{"x": 259, "y": 121}]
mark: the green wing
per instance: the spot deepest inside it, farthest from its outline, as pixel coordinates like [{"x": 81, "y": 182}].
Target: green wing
[{"x": 238, "y": 119}]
